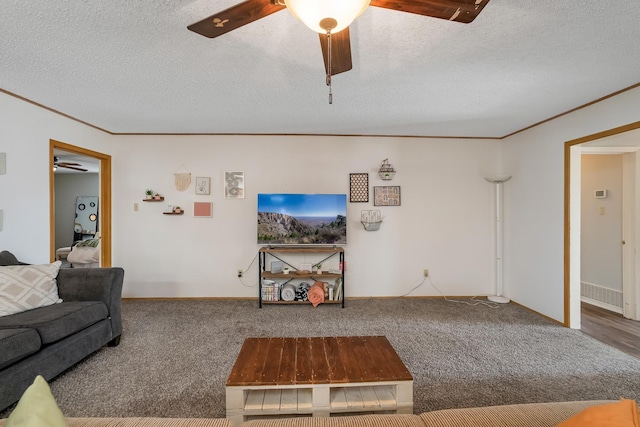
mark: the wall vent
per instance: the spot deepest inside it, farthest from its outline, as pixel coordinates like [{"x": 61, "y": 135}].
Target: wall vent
[{"x": 600, "y": 294}]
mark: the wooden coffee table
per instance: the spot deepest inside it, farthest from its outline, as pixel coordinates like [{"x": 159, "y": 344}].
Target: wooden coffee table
[{"x": 317, "y": 377}]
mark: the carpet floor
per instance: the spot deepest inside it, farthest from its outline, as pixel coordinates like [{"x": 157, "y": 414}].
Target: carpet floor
[{"x": 175, "y": 356}]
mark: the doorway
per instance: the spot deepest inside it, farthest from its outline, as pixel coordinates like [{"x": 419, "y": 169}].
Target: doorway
[
  {"x": 621, "y": 140},
  {"x": 601, "y": 229},
  {"x": 104, "y": 179}
]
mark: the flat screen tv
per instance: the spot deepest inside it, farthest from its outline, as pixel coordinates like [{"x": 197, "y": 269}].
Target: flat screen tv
[{"x": 302, "y": 219}]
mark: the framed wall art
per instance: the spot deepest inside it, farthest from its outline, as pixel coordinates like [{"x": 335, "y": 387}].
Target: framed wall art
[
  {"x": 386, "y": 196},
  {"x": 234, "y": 185},
  {"x": 203, "y": 185},
  {"x": 202, "y": 209},
  {"x": 359, "y": 187}
]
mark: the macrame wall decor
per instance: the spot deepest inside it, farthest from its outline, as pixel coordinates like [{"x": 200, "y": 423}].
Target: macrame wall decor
[{"x": 183, "y": 179}]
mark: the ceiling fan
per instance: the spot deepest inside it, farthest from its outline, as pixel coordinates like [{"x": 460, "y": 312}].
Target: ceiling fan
[
  {"x": 75, "y": 166},
  {"x": 331, "y": 19}
]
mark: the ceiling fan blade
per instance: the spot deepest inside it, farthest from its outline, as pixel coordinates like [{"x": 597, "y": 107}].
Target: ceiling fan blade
[
  {"x": 464, "y": 11},
  {"x": 340, "y": 52},
  {"x": 235, "y": 17},
  {"x": 72, "y": 167},
  {"x": 67, "y": 164}
]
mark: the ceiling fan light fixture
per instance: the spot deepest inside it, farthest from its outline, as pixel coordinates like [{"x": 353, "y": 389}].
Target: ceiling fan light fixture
[{"x": 313, "y": 12}]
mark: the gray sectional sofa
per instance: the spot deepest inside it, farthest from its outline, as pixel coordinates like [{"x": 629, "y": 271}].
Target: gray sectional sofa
[{"x": 48, "y": 340}]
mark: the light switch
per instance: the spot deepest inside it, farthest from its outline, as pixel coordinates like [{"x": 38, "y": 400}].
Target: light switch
[
  {"x": 1, "y": 219},
  {"x": 3, "y": 163},
  {"x": 601, "y": 210},
  {"x": 135, "y": 207}
]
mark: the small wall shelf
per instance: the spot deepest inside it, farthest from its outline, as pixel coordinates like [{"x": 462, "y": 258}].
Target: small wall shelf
[
  {"x": 173, "y": 213},
  {"x": 153, "y": 200}
]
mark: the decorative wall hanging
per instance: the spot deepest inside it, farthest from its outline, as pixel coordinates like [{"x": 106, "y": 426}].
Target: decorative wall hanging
[
  {"x": 202, "y": 209},
  {"x": 183, "y": 179},
  {"x": 359, "y": 186},
  {"x": 234, "y": 185},
  {"x": 386, "y": 172},
  {"x": 203, "y": 185},
  {"x": 371, "y": 219},
  {"x": 386, "y": 196}
]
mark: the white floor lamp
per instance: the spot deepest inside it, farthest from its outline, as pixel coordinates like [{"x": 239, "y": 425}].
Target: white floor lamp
[{"x": 498, "y": 181}]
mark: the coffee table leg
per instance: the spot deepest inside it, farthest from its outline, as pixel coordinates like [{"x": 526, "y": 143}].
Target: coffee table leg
[
  {"x": 404, "y": 397},
  {"x": 321, "y": 400},
  {"x": 235, "y": 405}
]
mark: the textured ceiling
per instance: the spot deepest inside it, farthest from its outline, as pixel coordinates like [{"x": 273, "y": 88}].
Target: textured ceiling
[{"x": 133, "y": 67}]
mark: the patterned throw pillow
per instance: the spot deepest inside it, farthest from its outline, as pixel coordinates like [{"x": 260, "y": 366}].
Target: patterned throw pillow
[{"x": 24, "y": 287}]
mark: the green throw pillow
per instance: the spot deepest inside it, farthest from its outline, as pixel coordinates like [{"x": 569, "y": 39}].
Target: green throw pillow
[{"x": 36, "y": 408}]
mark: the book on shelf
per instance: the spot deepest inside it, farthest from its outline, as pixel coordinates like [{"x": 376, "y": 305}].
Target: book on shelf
[{"x": 337, "y": 289}]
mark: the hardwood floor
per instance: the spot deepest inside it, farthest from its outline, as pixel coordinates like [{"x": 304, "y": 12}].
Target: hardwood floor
[{"x": 611, "y": 328}]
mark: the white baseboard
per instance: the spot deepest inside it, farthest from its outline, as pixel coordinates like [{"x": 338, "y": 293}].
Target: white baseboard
[{"x": 602, "y": 305}]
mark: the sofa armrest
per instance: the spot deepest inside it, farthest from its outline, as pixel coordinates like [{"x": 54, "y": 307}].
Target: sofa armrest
[{"x": 95, "y": 284}]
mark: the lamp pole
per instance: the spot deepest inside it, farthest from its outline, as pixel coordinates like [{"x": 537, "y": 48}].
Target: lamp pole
[{"x": 499, "y": 298}]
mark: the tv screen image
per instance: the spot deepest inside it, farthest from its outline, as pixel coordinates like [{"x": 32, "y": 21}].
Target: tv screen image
[{"x": 302, "y": 219}]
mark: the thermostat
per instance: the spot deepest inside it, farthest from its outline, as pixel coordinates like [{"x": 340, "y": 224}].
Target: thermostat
[{"x": 600, "y": 194}]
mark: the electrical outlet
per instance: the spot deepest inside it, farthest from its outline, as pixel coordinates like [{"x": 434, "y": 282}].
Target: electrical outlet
[
  {"x": 240, "y": 273},
  {"x": 426, "y": 272}
]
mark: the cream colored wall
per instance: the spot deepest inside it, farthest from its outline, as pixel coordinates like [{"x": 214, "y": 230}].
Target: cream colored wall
[
  {"x": 534, "y": 201},
  {"x": 445, "y": 221},
  {"x": 25, "y": 130}
]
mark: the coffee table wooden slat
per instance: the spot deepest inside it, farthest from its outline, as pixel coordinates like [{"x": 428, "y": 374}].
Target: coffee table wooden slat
[
  {"x": 303, "y": 361},
  {"x": 337, "y": 372},
  {"x": 320, "y": 365},
  {"x": 369, "y": 371},
  {"x": 287, "y": 374},
  {"x": 271, "y": 370},
  {"x": 250, "y": 361},
  {"x": 349, "y": 359},
  {"x": 394, "y": 368},
  {"x": 318, "y": 377}
]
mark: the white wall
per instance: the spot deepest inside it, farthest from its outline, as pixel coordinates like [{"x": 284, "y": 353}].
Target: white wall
[
  {"x": 444, "y": 223},
  {"x": 534, "y": 200},
  {"x": 25, "y": 130},
  {"x": 601, "y": 224}
]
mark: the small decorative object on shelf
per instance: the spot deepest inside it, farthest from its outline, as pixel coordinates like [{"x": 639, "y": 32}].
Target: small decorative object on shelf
[
  {"x": 371, "y": 220},
  {"x": 152, "y": 198},
  {"x": 318, "y": 268},
  {"x": 386, "y": 172},
  {"x": 178, "y": 210},
  {"x": 148, "y": 194},
  {"x": 285, "y": 270}
]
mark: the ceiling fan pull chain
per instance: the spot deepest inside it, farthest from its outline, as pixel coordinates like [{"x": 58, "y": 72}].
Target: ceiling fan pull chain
[{"x": 329, "y": 67}]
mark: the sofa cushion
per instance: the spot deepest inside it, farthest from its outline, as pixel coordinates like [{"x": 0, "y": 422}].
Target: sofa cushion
[
  {"x": 147, "y": 422},
  {"x": 369, "y": 420},
  {"x": 17, "y": 344},
  {"x": 55, "y": 322},
  {"x": 24, "y": 287},
  {"x": 521, "y": 415},
  {"x": 36, "y": 408},
  {"x": 619, "y": 414}
]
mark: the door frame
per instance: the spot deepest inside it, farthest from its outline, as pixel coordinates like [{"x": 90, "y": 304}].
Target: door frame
[
  {"x": 572, "y": 240},
  {"x": 105, "y": 198}
]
